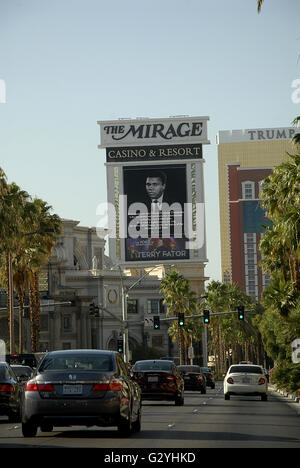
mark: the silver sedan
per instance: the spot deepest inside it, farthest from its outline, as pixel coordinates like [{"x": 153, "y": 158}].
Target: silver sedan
[{"x": 81, "y": 387}]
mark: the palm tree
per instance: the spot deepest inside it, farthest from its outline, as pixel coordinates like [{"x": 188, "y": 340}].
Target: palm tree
[
  {"x": 12, "y": 201},
  {"x": 296, "y": 123},
  {"x": 37, "y": 250},
  {"x": 259, "y": 5},
  {"x": 24, "y": 254},
  {"x": 179, "y": 298},
  {"x": 281, "y": 243}
]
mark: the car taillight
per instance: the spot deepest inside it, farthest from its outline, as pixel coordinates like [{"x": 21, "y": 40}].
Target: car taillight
[
  {"x": 105, "y": 386},
  {"x": 171, "y": 377},
  {"x": 230, "y": 380},
  {"x": 33, "y": 387},
  {"x": 6, "y": 388},
  {"x": 261, "y": 381}
]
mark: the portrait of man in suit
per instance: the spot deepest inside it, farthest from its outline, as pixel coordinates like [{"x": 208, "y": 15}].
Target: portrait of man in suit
[
  {"x": 155, "y": 188},
  {"x": 156, "y": 196}
]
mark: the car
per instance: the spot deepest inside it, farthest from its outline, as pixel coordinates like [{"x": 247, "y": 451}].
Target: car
[
  {"x": 81, "y": 387},
  {"x": 23, "y": 373},
  {"x": 210, "y": 382},
  {"x": 159, "y": 380},
  {"x": 24, "y": 359},
  {"x": 194, "y": 379},
  {"x": 10, "y": 393},
  {"x": 245, "y": 379}
]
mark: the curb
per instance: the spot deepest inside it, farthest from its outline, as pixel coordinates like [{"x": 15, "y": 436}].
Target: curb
[{"x": 290, "y": 396}]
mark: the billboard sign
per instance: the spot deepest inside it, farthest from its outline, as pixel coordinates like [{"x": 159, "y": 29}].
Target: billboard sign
[
  {"x": 254, "y": 217},
  {"x": 177, "y": 130},
  {"x": 155, "y": 188},
  {"x": 153, "y": 153},
  {"x": 156, "y": 199}
]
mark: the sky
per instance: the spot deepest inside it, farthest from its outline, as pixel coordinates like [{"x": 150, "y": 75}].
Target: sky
[{"x": 66, "y": 64}]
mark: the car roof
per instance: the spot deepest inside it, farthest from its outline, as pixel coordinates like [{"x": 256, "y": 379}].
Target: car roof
[
  {"x": 81, "y": 351},
  {"x": 155, "y": 360},
  {"x": 245, "y": 365}
]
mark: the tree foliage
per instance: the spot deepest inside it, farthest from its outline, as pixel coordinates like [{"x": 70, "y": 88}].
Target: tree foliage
[{"x": 28, "y": 232}]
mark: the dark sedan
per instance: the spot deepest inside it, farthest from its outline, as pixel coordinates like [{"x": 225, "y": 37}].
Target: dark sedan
[
  {"x": 81, "y": 387},
  {"x": 210, "y": 381},
  {"x": 194, "y": 379},
  {"x": 10, "y": 393},
  {"x": 159, "y": 380}
]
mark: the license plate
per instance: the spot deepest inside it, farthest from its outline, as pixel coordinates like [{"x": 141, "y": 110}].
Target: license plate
[
  {"x": 246, "y": 380},
  {"x": 72, "y": 389},
  {"x": 152, "y": 379},
  {"x": 186, "y": 378}
]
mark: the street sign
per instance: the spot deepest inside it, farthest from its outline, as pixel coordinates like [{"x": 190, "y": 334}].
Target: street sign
[{"x": 148, "y": 322}]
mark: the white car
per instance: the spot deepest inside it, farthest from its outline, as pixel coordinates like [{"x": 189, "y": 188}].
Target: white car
[{"x": 246, "y": 379}]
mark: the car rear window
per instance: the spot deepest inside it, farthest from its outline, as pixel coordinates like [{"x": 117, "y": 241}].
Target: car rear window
[
  {"x": 189, "y": 369},
  {"x": 77, "y": 362},
  {"x": 246, "y": 369},
  {"x": 22, "y": 370},
  {"x": 156, "y": 365}
]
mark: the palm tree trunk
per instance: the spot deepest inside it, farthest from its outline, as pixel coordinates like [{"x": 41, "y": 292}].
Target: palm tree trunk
[
  {"x": 21, "y": 310},
  {"x": 10, "y": 301},
  {"x": 34, "y": 311}
]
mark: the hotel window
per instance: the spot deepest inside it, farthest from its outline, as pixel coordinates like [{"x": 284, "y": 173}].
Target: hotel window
[
  {"x": 157, "y": 341},
  {"x": 248, "y": 190},
  {"x": 67, "y": 323},
  {"x": 250, "y": 256},
  {"x": 132, "y": 306},
  {"x": 155, "y": 306},
  {"x": 44, "y": 323}
]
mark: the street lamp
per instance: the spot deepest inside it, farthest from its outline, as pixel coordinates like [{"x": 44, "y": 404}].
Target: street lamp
[{"x": 124, "y": 291}]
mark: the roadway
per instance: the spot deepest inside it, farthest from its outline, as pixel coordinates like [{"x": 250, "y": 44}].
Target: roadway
[{"x": 205, "y": 421}]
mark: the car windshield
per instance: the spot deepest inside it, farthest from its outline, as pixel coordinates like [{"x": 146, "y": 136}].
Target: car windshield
[
  {"x": 246, "y": 369},
  {"x": 153, "y": 365},
  {"x": 72, "y": 362}
]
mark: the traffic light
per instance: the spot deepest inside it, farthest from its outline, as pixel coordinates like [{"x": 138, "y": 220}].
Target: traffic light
[
  {"x": 206, "y": 318},
  {"x": 96, "y": 311},
  {"x": 92, "y": 309},
  {"x": 180, "y": 319},
  {"x": 241, "y": 312},
  {"x": 156, "y": 322},
  {"x": 120, "y": 345}
]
